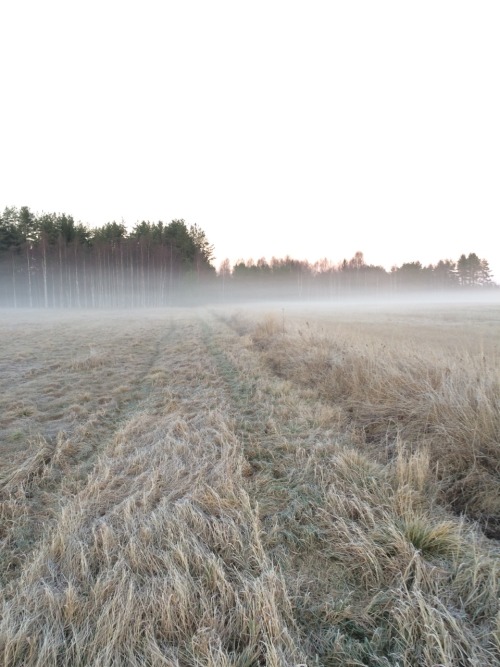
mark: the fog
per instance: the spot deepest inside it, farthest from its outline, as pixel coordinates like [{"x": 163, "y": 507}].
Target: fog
[{"x": 279, "y": 296}]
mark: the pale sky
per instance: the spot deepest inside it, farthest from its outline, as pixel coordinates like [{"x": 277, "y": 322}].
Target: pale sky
[{"x": 313, "y": 129}]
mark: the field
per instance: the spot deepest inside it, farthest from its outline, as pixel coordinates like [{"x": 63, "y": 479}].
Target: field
[{"x": 250, "y": 487}]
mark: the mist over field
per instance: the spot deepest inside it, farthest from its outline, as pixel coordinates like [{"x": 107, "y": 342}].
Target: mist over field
[
  {"x": 103, "y": 291},
  {"x": 279, "y": 483}
]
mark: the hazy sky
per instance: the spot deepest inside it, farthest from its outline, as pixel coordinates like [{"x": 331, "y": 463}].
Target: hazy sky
[{"x": 313, "y": 129}]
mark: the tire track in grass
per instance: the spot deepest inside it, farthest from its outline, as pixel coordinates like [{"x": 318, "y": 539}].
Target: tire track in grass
[
  {"x": 267, "y": 422},
  {"x": 341, "y": 529},
  {"x": 157, "y": 559},
  {"x": 278, "y": 432},
  {"x": 31, "y": 490}
]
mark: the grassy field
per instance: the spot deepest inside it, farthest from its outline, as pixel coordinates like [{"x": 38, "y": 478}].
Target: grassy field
[{"x": 248, "y": 488}]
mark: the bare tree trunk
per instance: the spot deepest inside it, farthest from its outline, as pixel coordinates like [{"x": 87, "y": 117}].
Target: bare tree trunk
[
  {"x": 61, "y": 287},
  {"x": 14, "y": 281},
  {"x": 77, "y": 284},
  {"x": 44, "y": 272},
  {"x": 29, "y": 276}
]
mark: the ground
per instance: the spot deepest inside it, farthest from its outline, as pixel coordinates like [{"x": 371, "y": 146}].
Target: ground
[{"x": 250, "y": 486}]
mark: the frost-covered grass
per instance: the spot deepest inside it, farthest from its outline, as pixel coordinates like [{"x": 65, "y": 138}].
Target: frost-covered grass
[{"x": 208, "y": 489}]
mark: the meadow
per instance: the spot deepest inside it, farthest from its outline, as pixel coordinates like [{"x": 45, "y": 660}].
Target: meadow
[{"x": 248, "y": 487}]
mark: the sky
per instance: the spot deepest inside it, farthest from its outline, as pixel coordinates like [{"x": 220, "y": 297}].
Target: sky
[{"x": 314, "y": 129}]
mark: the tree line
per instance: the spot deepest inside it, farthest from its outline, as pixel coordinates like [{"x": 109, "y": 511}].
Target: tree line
[
  {"x": 51, "y": 261},
  {"x": 355, "y": 276}
]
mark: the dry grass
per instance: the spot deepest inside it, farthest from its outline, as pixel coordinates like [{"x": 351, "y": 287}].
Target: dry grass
[
  {"x": 210, "y": 503},
  {"x": 433, "y": 386}
]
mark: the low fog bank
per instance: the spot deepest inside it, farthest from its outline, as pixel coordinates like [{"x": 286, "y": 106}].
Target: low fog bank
[
  {"x": 470, "y": 302},
  {"x": 107, "y": 291},
  {"x": 373, "y": 301}
]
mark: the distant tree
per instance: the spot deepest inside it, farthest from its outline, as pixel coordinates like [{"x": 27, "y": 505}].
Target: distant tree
[
  {"x": 10, "y": 234},
  {"x": 10, "y": 243},
  {"x": 445, "y": 274},
  {"x": 474, "y": 264},
  {"x": 474, "y": 268},
  {"x": 357, "y": 262},
  {"x": 48, "y": 234},
  {"x": 375, "y": 277},
  {"x": 354, "y": 271},
  {"x": 463, "y": 270},
  {"x": 224, "y": 273},
  {"x": 410, "y": 275},
  {"x": 48, "y": 228},
  {"x": 66, "y": 226},
  {"x": 224, "y": 268},
  {"x": 111, "y": 231},
  {"x": 204, "y": 248},
  {"x": 485, "y": 274},
  {"x": 323, "y": 266},
  {"x": 177, "y": 235},
  {"x": 240, "y": 269},
  {"x": 411, "y": 267},
  {"x": 469, "y": 269},
  {"x": 263, "y": 266},
  {"x": 141, "y": 229},
  {"x": 27, "y": 224}
]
